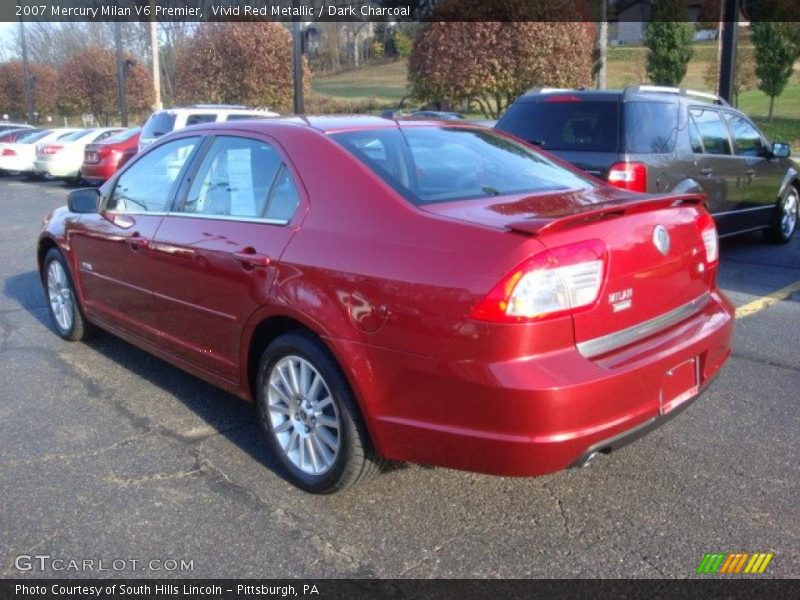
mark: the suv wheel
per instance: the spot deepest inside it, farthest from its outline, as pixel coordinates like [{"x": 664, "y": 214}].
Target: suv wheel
[{"x": 785, "y": 222}]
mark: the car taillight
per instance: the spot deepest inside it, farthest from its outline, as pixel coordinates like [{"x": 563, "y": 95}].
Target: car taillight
[
  {"x": 8, "y": 152},
  {"x": 556, "y": 282},
  {"x": 708, "y": 231},
  {"x": 52, "y": 149},
  {"x": 628, "y": 176}
]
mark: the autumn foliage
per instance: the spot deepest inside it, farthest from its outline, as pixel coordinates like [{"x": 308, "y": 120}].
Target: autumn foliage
[
  {"x": 88, "y": 83},
  {"x": 238, "y": 63},
  {"x": 12, "y": 88},
  {"x": 491, "y": 63}
]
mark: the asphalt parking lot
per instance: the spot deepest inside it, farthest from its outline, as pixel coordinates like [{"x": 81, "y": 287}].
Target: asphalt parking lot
[{"x": 109, "y": 453}]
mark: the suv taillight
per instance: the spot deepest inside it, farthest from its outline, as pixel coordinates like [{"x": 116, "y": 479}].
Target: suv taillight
[
  {"x": 628, "y": 176},
  {"x": 555, "y": 282}
]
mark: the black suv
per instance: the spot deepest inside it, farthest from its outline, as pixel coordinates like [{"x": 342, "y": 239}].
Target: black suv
[{"x": 660, "y": 139}]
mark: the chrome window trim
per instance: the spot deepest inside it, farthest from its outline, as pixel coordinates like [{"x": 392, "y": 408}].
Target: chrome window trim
[
  {"x": 229, "y": 218},
  {"x": 618, "y": 339}
]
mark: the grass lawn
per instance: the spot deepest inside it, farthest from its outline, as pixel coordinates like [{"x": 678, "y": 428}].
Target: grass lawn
[{"x": 626, "y": 66}]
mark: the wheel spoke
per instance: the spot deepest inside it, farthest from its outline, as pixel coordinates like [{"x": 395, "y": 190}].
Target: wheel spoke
[
  {"x": 327, "y": 438},
  {"x": 322, "y": 404},
  {"x": 282, "y": 396},
  {"x": 286, "y": 384},
  {"x": 292, "y": 439},
  {"x": 322, "y": 453},
  {"x": 305, "y": 374},
  {"x": 301, "y": 451},
  {"x": 313, "y": 389},
  {"x": 312, "y": 453},
  {"x": 328, "y": 422},
  {"x": 285, "y": 426},
  {"x": 293, "y": 368}
]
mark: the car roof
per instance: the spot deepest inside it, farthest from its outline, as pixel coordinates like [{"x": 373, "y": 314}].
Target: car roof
[{"x": 329, "y": 123}]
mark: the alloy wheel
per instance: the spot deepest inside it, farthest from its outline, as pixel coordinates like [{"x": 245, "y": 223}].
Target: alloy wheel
[
  {"x": 304, "y": 417},
  {"x": 59, "y": 294},
  {"x": 789, "y": 214}
]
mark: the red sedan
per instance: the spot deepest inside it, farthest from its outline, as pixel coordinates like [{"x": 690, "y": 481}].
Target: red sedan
[
  {"x": 102, "y": 159},
  {"x": 419, "y": 291}
]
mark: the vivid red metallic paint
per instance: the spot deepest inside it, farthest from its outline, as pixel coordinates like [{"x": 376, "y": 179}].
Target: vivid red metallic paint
[
  {"x": 111, "y": 157},
  {"x": 389, "y": 288}
]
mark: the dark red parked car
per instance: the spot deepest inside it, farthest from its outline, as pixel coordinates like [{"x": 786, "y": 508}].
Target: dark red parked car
[
  {"x": 102, "y": 159},
  {"x": 418, "y": 291}
]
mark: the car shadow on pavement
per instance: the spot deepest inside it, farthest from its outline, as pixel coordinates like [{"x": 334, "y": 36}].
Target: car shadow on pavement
[{"x": 223, "y": 413}]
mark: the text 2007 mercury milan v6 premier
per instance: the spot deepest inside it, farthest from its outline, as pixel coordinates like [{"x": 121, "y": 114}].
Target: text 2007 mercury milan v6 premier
[{"x": 431, "y": 292}]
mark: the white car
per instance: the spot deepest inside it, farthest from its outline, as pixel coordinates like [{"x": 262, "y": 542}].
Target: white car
[
  {"x": 168, "y": 120},
  {"x": 18, "y": 157},
  {"x": 63, "y": 158}
]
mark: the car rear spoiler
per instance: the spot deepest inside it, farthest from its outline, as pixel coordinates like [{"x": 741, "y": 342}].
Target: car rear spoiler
[{"x": 611, "y": 210}]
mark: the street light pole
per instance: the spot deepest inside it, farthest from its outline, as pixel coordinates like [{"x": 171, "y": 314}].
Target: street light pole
[
  {"x": 26, "y": 74},
  {"x": 121, "y": 76}
]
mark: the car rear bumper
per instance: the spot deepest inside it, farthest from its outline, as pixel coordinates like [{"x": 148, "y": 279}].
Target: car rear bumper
[
  {"x": 55, "y": 168},
  {"x": 538, "y": 414},
  {"x": 98, "y": 172}
]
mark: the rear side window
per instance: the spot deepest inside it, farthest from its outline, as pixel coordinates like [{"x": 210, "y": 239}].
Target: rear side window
[
  {"x": 650, "y": 127},
  {"x": 235, "y": 179},
  {"x": 242, "y": 117},
  {"x": 565, "y": 125},
  {"x": 158, "y": 124},
  {"x": 200, "y": 118},
  {"x": 746, "y": 137},
  {"x": 712, "y": 130}
]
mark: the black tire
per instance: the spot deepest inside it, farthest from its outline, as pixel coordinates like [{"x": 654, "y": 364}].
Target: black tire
[
  {"x": 77, "y": 328},
  {"x": 784, "y": 225},
  {"x": 355, "y": 459}
]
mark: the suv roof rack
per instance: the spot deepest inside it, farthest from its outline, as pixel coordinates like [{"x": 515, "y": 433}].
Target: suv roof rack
[
  {"x": 220, "y": 106},
  {"x": 552, "y": 90},
  {"x": 662, "y": 89}
]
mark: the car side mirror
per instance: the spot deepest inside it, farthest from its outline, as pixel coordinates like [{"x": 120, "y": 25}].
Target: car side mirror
[
  {"x": 781, "y": 150},
  {"x": 85, "y": 200}
]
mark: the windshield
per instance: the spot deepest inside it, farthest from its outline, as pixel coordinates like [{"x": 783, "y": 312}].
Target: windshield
[
  {"x": 158, "y": 124},
  {"x": 123, "y": 136},
  {"x": 33, "y": 137},
  {"x": 432, "y": 164},
  {"x": 565, "y": 125}
]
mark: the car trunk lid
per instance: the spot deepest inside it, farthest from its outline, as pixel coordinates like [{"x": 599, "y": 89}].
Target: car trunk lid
[{"x": 655, "y": 263}]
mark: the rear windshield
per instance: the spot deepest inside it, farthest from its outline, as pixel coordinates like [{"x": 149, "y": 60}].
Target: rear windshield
[
  {"x": 572, "y": 124},
  {"x": 33, "y": 137},
  {"x": 123, "y": 136},
  {"x": 431, "y": 164},
  {"x": 75, "y": 135},
  {"x": 650, "y": 127},
  {"x": 158, "y": 124}
]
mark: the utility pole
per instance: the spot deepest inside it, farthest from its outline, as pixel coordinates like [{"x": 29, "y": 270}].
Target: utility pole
[
  {"x": 154, "y": 50},
  {"x": 730, "y": 34},
  {"x": 297, "y": 62},
  {"x": 26, "y": 73},
  {"x": 122, "y": 88},
  {"x": 602, "y": 46}
]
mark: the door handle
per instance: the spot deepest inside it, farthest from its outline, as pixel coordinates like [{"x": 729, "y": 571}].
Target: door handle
[
  {"x": 137, "y": 242},
  {"x": 250, "y": 258},
  {"x": 706, "y": 171}
]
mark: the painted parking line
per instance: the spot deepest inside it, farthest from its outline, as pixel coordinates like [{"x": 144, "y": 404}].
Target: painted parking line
[{"x": 766, "y": 301}]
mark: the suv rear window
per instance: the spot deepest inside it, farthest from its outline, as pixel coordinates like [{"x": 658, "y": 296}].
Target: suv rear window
[
  {"x": 571, "y": 124},
  {"x": 196, "y": 119},
  {"x": 433, "y": 164},
  {"x": 650, "y": 127},
  {"x": 158, "y": 124}
]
